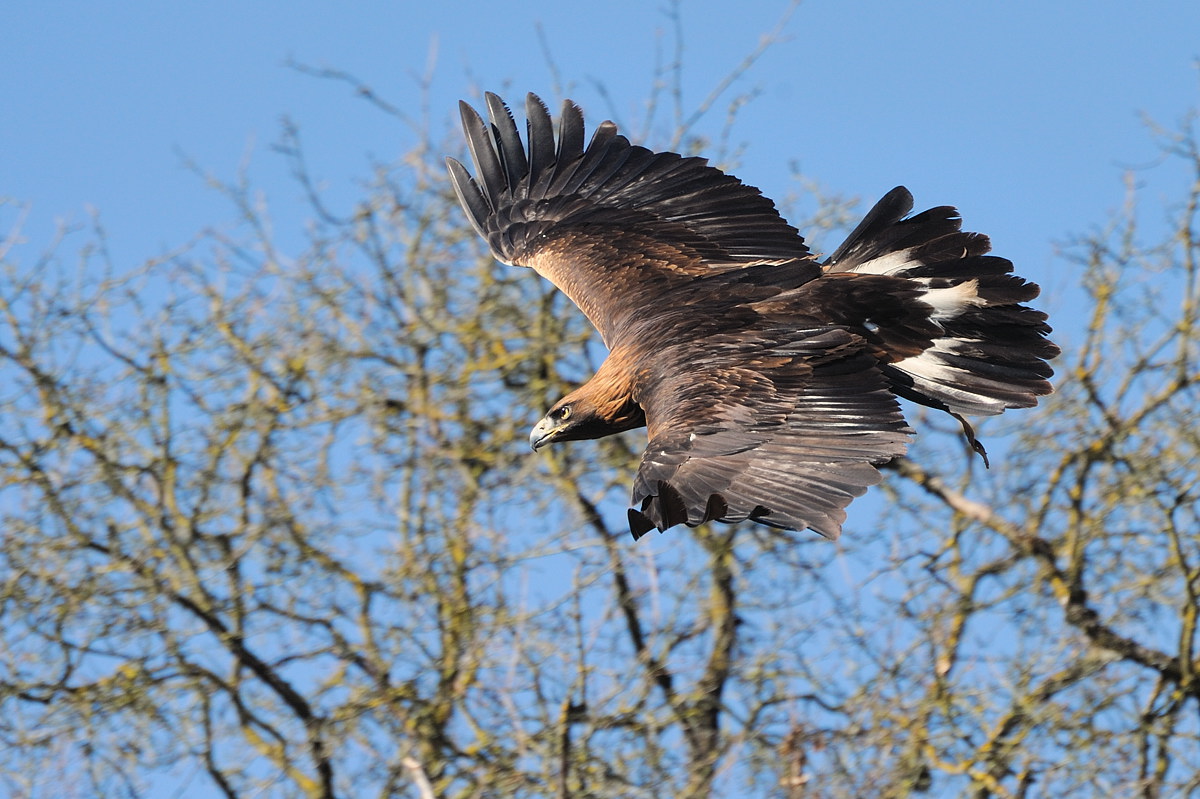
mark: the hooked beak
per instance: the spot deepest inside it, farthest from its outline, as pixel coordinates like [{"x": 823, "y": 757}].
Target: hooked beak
[{"x": 542, "y": 433}]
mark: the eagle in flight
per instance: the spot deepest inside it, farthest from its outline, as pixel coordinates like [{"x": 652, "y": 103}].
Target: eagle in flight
[{"x": 767, "y": 378}]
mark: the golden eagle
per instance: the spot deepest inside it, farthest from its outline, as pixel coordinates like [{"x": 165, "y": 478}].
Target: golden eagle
[{"x": 767, "y": 379}]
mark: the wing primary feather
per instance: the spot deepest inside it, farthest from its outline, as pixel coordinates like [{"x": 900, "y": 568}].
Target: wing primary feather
[
  {"x": 569, "y": 152},
  {"x": 618, "y": 154},
  {"x": 483, "y": 153},
  {"x": 639, "y": 523},
  {"x": 606, "y": 154},
  {"x": 569, "y": 181},
  {"x": 541, "y": 137},
  {"x": 716, "y": 509},
  {"x": 674, "y": 509},
  {"x": 636, "y": 162},
  {"x": 469, "y": 196},
  {"x": 888, "y": 211},
  {"x": 570, "y": 135},
  {"x": 512, "y": 152}
]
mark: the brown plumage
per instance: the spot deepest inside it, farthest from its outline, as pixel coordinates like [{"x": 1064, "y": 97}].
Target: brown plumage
[{"x": 767, "y": 379}]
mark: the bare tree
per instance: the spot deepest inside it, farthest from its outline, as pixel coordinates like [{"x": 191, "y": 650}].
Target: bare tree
[{"x": 268, "y": 530}]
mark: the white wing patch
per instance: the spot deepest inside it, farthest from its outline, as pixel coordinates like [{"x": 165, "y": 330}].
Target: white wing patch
[
  {"x": 932, "y": 373},
  {"x": 891, "y": 264},
  {"x": 950, "y": 302}
]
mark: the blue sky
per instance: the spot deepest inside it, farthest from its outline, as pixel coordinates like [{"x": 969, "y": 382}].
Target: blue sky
[{"x": 1024, "y": 114}]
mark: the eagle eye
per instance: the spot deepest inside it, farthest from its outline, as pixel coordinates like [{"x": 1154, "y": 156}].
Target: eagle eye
[{"x": 563, "y": 413}]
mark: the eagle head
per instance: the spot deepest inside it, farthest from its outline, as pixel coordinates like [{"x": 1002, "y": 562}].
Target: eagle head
[{"x": 582, "y": 415}]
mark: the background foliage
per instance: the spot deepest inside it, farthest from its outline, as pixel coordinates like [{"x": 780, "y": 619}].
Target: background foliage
[{"x": 269, "y": 530}]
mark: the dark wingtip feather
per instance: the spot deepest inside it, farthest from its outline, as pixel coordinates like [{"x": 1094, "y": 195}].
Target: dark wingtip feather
[
  {"x": 570, "y": 133},
  {"x": 469, "y": 195},
  {"x": 663, "y": 511},
  {"x": 716, "y": 509},
  {"x": 512, "y": 152},
  {"x": 899, "y": 198},
  {"x": 639, "y": 524},
  {"x": 604, "y": 148},
  {"x": 888, "y": 211},
  {"x": 672, "y": 507},
  {"x": 541, "y": 136},
  {"x": 483, "y": 153}
]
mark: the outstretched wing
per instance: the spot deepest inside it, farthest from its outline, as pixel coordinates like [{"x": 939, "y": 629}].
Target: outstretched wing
[
  {"x": 989, "y": 351},
  {"x": 786, "y": 435},
  {"x": 614, "y": 226}
]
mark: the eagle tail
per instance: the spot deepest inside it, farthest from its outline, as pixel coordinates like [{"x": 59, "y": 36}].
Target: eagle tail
[{"x": 981, "y": 349}]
